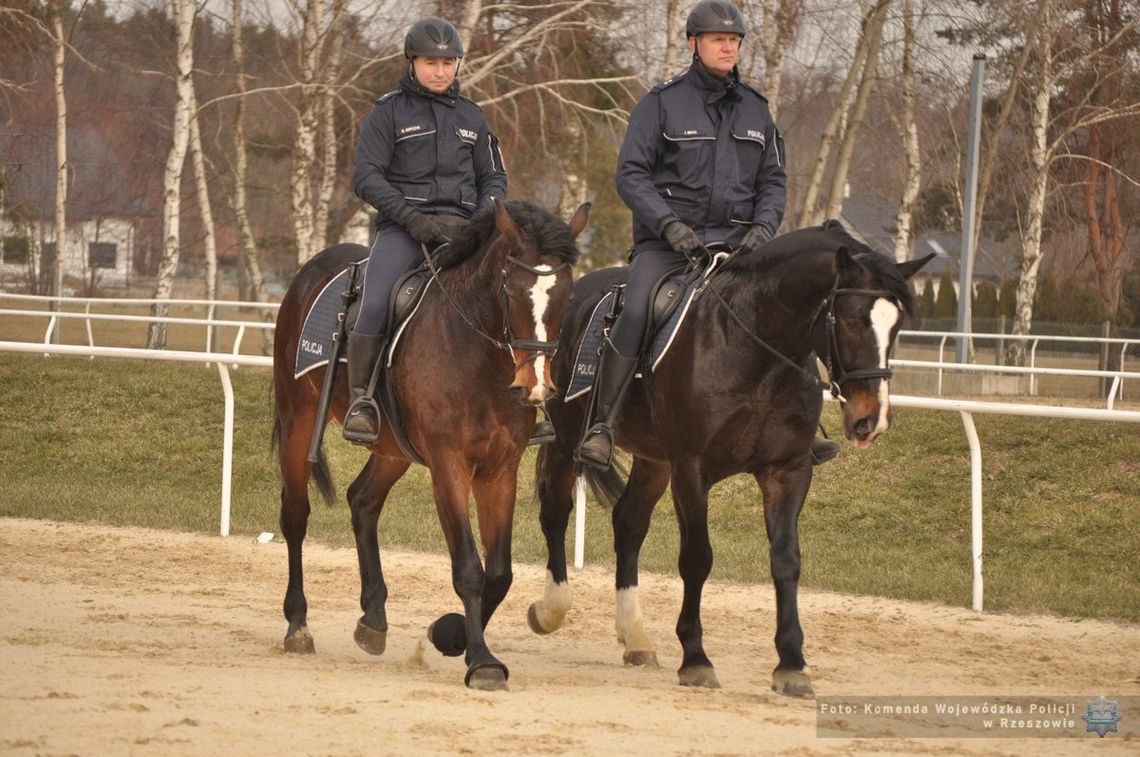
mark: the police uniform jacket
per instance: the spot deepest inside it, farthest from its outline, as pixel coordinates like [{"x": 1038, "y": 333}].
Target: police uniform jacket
[
  {"x": 705, "y": 152},
  {"x": 422, "y": 151}
]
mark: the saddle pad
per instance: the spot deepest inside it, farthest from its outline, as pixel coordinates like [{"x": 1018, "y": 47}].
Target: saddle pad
[
  {"x": 315, "y": 345},
  {"x": 586, "y": 359}
]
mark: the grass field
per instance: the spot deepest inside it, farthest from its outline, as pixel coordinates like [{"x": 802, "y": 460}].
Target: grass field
[{"x": 123, "y": 442}]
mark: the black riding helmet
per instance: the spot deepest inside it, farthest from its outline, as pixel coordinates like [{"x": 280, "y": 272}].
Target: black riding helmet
[
  {"x": 432, "y": 38},
  {"x": 714, "y": 16}
]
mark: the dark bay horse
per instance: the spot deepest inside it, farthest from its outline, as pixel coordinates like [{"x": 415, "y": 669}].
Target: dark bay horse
[
  {"x": 467, "y": 399},
  {"x": 737, "y": 393}
]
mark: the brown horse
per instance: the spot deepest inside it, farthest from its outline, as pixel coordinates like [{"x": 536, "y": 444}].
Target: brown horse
[
  {"x": 467, "y": 379},
  {"x": 738, "y": 393}
]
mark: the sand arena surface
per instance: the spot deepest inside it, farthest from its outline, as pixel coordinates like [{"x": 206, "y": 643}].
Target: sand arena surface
[{"x": 129, "y": 641}]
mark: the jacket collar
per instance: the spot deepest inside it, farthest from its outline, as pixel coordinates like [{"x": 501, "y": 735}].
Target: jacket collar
[
  {"x": 409, "y": 84},
  {"x": 714, "y": 88}
]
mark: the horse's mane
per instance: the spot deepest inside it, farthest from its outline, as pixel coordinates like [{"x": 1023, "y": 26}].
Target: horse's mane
[
  {"x": 551, "y": 234},
  {"x": 828, "y": 237}
]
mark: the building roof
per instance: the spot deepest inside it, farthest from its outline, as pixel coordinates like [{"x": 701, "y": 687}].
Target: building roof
[
  {"x": 872, "y": 219},
  {"x": 99, "y": 185}
]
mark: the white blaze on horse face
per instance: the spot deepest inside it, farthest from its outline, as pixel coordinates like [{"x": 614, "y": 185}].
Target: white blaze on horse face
[
  {"x": 540, "y": 299},
  {"x": 885, "y": 315}
]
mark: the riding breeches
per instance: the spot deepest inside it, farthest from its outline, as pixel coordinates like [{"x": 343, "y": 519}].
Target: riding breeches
[
  {"x": 647, "y": 268},
  {"x": 394, "y": 253}
]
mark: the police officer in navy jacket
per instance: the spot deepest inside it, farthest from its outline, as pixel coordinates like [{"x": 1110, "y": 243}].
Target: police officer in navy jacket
[
  {"x": 426, "y": 161},
  {"x": 702, "y": 162}
]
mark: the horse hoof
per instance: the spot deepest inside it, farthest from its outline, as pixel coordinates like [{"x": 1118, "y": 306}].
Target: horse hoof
[
  {"x": 448, "y": 634},
  {"x": 699, "y": 675},
  {"x": 793, "y": 683},
  {"x": 536, "y": 624},
  {"x": 369, "y": 639},
  {"x": 641, "y": 658},
  {"x": 299, "y": 641},
  {"x": 490, "y": 677}
]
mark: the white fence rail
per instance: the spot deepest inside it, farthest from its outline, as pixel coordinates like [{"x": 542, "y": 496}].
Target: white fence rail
[
  {"x": 222, "y": 360},
  {"x": 225, "y": 361}
]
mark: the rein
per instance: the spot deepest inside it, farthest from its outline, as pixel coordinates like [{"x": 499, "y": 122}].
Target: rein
[{"x": 836, "y": 378}]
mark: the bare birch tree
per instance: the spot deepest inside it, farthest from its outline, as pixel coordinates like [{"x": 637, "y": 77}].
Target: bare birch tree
[
  {"x": 202, "y": 188},
  {"x": 873, "y": 31},
  {"x": 780, "y": 21},
  {"x": 809, "y": 212},
  {"x": 55, "y": 10},
  {"x": 175, "y": 160},
  {"x": 908, "y": 128},
  {"x": 1051, "y": 134}
]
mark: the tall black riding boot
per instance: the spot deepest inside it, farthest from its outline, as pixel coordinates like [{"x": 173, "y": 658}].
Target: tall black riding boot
[
  {"x": 615, "y": 374},
  {"x": 362, "y": 420}
]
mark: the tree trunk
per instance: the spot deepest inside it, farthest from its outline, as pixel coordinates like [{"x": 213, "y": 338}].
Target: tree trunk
[
  {"x": 909, "y": 129},
  {"x": 1107, "y": 234},
  {"x": 172, "y": 177},
  {"x": 675, "y": 48},
  {"x": 575, "y": 185},
  {"x": 874, "y": 32},
  {"x": 330, "y": 71},
  {"x": 779, "y": 25},
  {"x": 468, "y": 18},
  {"x": 203, "y": 192},
  {"x": 56, "y": 11},
  {"x": 305, "y": 142},
  {"x": 1039, "y": 167},
  {"x": 808, "y": 212},
  {"x": 248, "y": 260}
]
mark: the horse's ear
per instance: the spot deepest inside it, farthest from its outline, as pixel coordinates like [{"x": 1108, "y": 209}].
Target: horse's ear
[
  {"x": 581, "y": 217},
  {"x": 911, "y": 267},
  {"x": 843, "y": 260},
  {"x": 504, "y": 222}
]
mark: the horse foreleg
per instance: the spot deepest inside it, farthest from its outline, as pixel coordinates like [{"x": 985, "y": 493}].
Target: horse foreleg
[
  {"x": 784, "y": 493},
  {"x": 495, "y": 506},
  {"x": 366, "y": 497},
  {"x": 690, "y": 500},
  {"x": 451, "y": 487},
  {"x": 647, "y": 482},
  {"x": 293, "y": 452},
  {"x": 554, "y": 479}
]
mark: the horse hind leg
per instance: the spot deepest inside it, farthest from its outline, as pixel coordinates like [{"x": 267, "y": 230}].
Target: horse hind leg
[
  {"x": 366, "y": 496},
  {"x": 647, "y": 482},
  {"x": 554, "y": 480}
]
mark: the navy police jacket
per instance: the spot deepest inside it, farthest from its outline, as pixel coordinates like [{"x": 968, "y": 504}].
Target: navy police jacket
[
  {"x": 422, "y": 151},
  {"x": 705, "y": 152}
]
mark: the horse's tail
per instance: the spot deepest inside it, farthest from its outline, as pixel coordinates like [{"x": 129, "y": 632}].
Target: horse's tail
[
  {"x": 319, "y": 472},
  {"x": 607, "y": 485}
]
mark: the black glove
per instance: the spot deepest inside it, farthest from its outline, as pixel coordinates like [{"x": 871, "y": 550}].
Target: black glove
[
  {"x": 424, "y": 228},
  {"x": 450, "y": 227},
  {"x": 756, "y": 238},
  {"x": 681, "y": 238}
]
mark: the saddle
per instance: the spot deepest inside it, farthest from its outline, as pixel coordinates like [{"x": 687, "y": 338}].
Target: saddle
[
  {"x": 322, "y": 327},
  {"x": 673, "y": 296}
]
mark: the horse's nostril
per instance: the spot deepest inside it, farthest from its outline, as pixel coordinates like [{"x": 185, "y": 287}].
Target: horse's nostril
[{"x": 865, "y": 426}]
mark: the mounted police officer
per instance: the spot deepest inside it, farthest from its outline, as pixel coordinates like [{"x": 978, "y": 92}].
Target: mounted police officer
[
  {"x": 426, "y": 161},
  {"x": 702, "y": 162}
]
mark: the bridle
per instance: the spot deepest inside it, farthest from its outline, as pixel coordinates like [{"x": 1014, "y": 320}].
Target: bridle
[
  {"x": 836, "y": 373},
  {"x": 508, "y": 343}
]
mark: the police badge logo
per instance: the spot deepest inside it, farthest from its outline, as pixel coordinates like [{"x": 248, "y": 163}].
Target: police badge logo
[{"x": 1101, "y": 717}]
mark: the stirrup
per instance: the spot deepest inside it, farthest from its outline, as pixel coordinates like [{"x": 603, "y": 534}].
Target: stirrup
[
  {"x": 822, "y": 450},
  {"x": 356, "y": 408},
  {"x": 581, "y": 456},
  {"x": 543, "y": 433}
]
